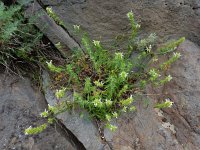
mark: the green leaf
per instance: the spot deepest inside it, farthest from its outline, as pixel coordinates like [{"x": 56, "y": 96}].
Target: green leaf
[{"x": 170, "y": 46}]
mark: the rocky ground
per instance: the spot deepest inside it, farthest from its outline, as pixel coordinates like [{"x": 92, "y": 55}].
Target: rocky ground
[
  {"x": 177, "y": 128},
  {"x": 20, "y": 106},
  {"x": 105, "y": 20}
]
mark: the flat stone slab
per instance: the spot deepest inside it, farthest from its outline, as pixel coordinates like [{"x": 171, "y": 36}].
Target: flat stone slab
[
  {"x": 53, "y": 31},
  {"x": 83, "y": 128}
]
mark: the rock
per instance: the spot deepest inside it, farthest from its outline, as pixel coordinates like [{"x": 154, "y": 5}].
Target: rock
[
  {"x": 176, "y": 128},
  {"x": 142, "y": 130},
  {"x": 184, "y": 91},
  {"x": 20, "y": 105},
  {"x": 104, "y": 20},
  {"x": 170, "y": 129},
  {"x": 54, "y": 32},
  {"x": 83, "y": 128}
]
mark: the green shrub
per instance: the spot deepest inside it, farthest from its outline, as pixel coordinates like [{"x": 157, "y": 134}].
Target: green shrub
[
  {"x": 107, "y": 85},
  {"x": 19, "y": 39}
]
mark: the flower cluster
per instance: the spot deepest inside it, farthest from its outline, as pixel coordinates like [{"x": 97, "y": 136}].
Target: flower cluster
[
  {"x": 98, "y": 103},
  {"x": 98, "y": 83},
  {"x": 166, "y": 104},
  {"x": 119, "y": 56},
  {"x": 96, "y": 43},
  {"x": 53, "y": 68},
  {"x": 53, "y": 15},
  {"x": 127, "y": 101},
  {"x": 60, "y": 93},
  {"x": 153, "y": 74},
  {"x": 77, "y": 28},
  {"x": 36, "y": 130},
  {"x": 44, "y": 114},
  {"x": 123, "y": 75}
]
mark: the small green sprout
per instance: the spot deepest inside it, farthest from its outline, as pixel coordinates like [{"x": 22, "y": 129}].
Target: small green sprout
[
  {"x": 176, "y": 55},
  {"x": 166, "y": 104},
  {"x": 127, "y": 102},
  {"x": 108, "y": 117},
  {"x": 98, "y": 103},
  {"x": 53, "y": 68},
  {"x": 138, "y": 26},
  {"x": 60, "y": 93},
  {"x": 174, "y": 58},
  {"x": 167, "y": 79},
  {"x": 153, "y": 74},
  {"x": 51, "y": 108},
  {"x": 98, "y": 83},
  {"x": 119, "y": 56},
  {"x": 44, "y": 114},
  {"x": 36, "y": 130},
  {"x": 130, "y": 15},
  {"x": 49, "y": 10},
  {"x": 53, "y": 15},
  {"x": 76, "y": 28},
  {"x": 123, "y": 75},
  {"x": 155, "y": 59},
  {"x": 143, "y": 84},
  {"x": 50, "y": 120},
  {"x": 115, "y": 114},
  {"x": 149, "y": 48},
  {"x": 96, "y": 43},
  {"x": 124, "y": 109},
  {"x": 108, "y": 103},
  {"x": 170, "y": 46},
  {"x": 132, "y": 108},
  {"x": 111, "y": 127}
]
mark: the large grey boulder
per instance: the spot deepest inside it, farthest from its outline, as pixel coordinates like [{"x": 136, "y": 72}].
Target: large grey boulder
[
  {"x": 142, "y": 130},
  {"x": 20, "y": 106},
  {"x": 184, "y": 91},
  {"x": 176, "y": 128},
  {"x": 105, "y": 19},
  {"x": 55, "y": 33}
]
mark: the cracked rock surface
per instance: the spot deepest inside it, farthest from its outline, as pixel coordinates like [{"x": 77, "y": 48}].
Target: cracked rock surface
[
  {"x": 105, "y": 19},
  {"x": 20, "y": 106},
  {"x": 177, "y": 128},
  {"x": 184, "y": 91}
]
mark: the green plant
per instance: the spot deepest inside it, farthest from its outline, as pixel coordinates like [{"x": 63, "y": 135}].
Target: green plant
[
  {"x": 107, "y": 85},
  {"x": 166, "y": 104},
  {"x": 19, "y": 39},
  {"x": 36, "y": 130},
  {"x": 54, "y": 16}
]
